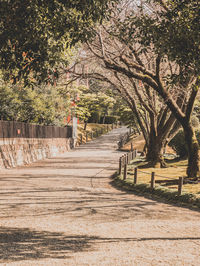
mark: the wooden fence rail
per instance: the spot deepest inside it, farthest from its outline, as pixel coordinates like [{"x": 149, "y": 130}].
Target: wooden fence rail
[
  {"x": 125, "y": 160},
  {"x": 13, "y": 129}
]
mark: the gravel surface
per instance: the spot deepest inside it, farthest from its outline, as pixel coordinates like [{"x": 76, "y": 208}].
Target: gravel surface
[{"x": 64, "y": 211}]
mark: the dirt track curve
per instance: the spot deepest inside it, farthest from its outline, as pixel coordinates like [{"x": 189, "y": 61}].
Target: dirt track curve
[{"x": 64, "y": 211}]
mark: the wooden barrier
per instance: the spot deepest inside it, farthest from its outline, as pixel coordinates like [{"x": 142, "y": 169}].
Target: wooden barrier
[
  {"x": 180, "y": 185},
  {"x": 131, "y": 146},
  {"x": 152, "y": 180},
  {"x": 125, "y": 171},
  {"x": 125, "y": 160},
  {"x": 135, "y": 175},
  {"x": 120, "y": 165}
]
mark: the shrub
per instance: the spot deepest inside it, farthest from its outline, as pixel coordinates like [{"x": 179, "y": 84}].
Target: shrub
[
  {"x": 109, "y": 119},
  {"x": 195, "y": 121},
  {"x": 95, "y": 118},
  {"x": 178, "y": 143}
]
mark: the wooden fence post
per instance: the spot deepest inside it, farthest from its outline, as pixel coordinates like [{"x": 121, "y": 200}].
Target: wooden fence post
[
  {"x": 81, "y": 139},
  {"x": 131, "y": 146},
  {"x": 123, "y": 159},
  {"x": 180, "y": 185},
  {"x": 92, "y": 134},
  {"x": 135, "y": 153},
  {"x": 130, "y": 156},
  {"x": 125, "y": 170},
  {"x": 86, "y": 136},
  {"x": 135, "y": 176},
  {"x": 120, "y": 165},
  {"x": 127, "y": 159},
  {"x": 152, "y": 180}
]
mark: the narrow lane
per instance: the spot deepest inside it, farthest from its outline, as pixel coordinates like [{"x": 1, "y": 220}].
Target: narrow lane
[{"x": 64, "y": 211}]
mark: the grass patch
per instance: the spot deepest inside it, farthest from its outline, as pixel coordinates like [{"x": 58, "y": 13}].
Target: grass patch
[
  {"x": 159, "y": 193},
  {"x": 165, "y": 177},
  {"x": 166, "y": 185}
]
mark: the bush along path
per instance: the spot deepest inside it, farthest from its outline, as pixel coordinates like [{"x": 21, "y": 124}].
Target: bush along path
[
  {"x": 66, "y": 211},
  {"x": 133, "y": 176}
]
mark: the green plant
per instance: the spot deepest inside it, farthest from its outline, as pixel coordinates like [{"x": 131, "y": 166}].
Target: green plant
[
  {"x": 109, "y": 119},
  {"x": 178, "y": 143}
]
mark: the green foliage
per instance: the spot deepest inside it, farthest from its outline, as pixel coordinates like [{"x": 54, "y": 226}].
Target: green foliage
[
  {"x": 93, "y": 105},
  {"x": 174, "y": 31},
  {"x": 170, "y": 195},
  {"x": 179, "y": 145},
  {"x": 110, "y": 119},
  {"x": 44, "y": 105},
  {"x": 127, "y": 116},
  {"x": 95, "y": 117},
  {"x": 33, "y": 34}
]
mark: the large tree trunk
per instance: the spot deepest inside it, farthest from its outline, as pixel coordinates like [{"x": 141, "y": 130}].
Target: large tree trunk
[
  {"x": 155, "y": 151},
  {"x": 193, "y": 149}
]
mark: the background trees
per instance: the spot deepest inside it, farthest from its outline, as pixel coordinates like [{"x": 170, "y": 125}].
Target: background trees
[
  {"x": 173, "y": 32},
  {"x": 131, "y": 45},
  {"x": 43, "y": 105},
  {"x": 33, "y": 34}
]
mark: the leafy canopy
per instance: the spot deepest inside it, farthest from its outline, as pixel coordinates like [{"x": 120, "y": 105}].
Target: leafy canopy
[
  {"x": 174, "y": 29},
  {"x": 33, "y": 33}
]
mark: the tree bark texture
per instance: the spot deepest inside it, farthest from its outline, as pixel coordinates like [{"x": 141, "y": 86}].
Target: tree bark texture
[
  {"x": 193, "y": 151},
  {"x": 155, "y": 150}
]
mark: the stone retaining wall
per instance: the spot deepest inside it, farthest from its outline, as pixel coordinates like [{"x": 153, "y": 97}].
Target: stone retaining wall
[{"x": 21, "y": 151}]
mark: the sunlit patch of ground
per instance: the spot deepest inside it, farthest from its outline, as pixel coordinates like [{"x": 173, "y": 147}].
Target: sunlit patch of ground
[{"x": 167, "y": 177}]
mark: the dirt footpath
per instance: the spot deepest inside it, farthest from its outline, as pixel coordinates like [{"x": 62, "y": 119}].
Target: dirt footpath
[{"x": 64, "y": 211}]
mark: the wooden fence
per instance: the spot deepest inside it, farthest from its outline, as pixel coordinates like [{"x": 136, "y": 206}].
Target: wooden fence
[
  {"x": 124, "y": 139},
  {"x": 123, "y": 169},
  {"x": 12, "y": 129}
]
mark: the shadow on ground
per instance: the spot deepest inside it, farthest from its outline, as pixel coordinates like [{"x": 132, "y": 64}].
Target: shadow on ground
[
  {"x": 22, "y": 244},
  {"x": 18, "y": 244}
]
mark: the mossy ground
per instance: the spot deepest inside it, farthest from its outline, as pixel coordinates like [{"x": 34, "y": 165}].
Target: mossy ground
[{"x": 166, "y": 179}]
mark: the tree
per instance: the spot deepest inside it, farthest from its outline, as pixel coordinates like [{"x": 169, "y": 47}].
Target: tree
[
  {"x": 156, "y": 122},
  {"x": 173, "y": 27},
  {"x": 33, "y": 34},
  {"x": 178, "y": 88},
  {"x": 92, "y": 102},
  {"x": 45, "y": 105},
  {"x": 174, "y": 33}
]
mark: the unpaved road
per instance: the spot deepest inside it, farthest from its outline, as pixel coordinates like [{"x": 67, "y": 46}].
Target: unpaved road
[{"x": 63, "y": 211}]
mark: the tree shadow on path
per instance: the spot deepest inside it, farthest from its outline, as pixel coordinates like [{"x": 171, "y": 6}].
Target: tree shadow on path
[{"x": 18, "y": 244}]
